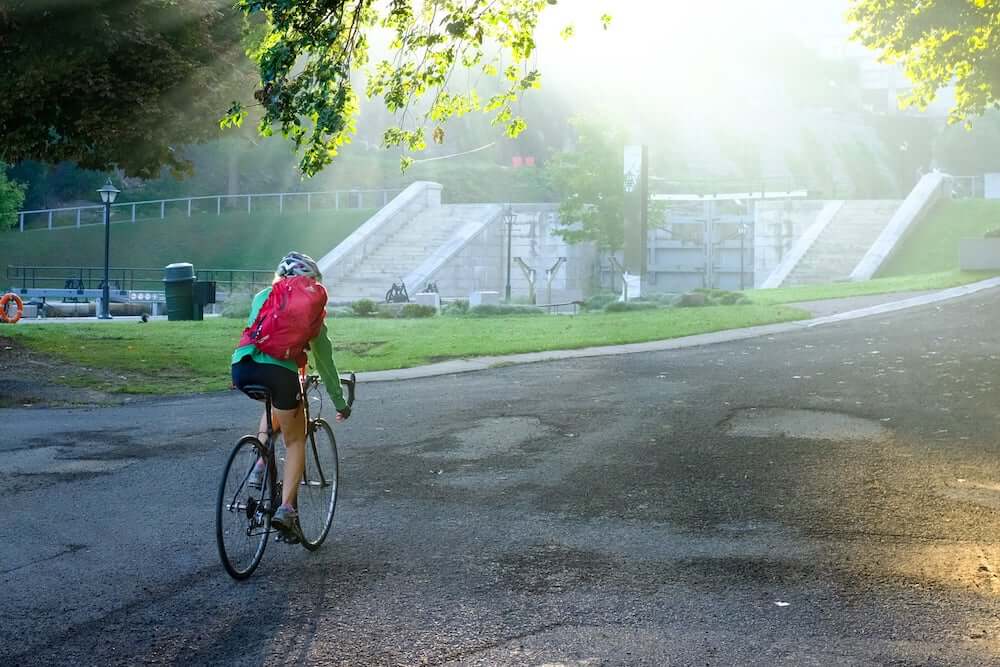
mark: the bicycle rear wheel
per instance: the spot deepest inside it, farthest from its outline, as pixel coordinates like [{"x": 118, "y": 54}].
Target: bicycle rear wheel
[
  {"x": 243, "y": 512},
  {"x": 317, "y": 498}
]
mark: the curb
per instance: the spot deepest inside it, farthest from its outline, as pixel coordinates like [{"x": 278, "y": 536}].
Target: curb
[{"x": 697, "y": 340}]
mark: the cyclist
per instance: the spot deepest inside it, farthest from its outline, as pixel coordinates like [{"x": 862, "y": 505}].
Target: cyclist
[{"x": 253, "y": 367}]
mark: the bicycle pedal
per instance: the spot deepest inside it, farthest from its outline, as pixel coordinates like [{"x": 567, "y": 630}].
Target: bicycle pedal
[{"x": 287, "y": 538}]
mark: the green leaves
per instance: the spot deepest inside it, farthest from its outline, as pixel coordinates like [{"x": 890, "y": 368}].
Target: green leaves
[
  {"x": 11, "y": 199},
  {"x": 939, "y": 43},
  {"x": 307, "y": 56},
  {"x": 589, "y": 182},
  {"x": 119, "y": 83}
]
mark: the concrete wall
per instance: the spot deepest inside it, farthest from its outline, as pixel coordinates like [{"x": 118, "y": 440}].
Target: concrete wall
[
  {"x": 482, "y": 263},
  {"x": 979, "y": 254},
  {"x": 344, "y": 259},
  {"x": 777, "y": 225},
  {"x": 927, "y": 192}
]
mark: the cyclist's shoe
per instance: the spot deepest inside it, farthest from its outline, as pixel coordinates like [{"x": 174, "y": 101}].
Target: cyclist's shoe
[
  {"x": 286, "y": 521},
  {"x": 256, "y": 478}
]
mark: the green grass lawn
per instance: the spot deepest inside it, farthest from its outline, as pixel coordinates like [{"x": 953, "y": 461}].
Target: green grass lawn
[
  {"x": 933, "y": 246},
  {"x": 230, "y": 241},
  {"x": 911, "y": 283},
  {"x": 183, "y": 357}
]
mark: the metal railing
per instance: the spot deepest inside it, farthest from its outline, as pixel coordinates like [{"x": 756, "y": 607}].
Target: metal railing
[
  {"x": 128, "y": 279},
  {"x": 271, "y": 202}
]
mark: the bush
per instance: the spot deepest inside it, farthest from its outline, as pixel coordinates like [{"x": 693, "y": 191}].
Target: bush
[
  {"x": 494, "y": 311},
  {"x": 11, "y": 199},
  {"x": 692, "y": 300},
  {"x": 340, "y": 311},
  {"x": 624, "y": 307},
  {"x": 664, "y": 299},
  {"x": 363, "y": 307},
  {"x": 417, "y": 310},
  {"x": 599, "y": 301},
  {"x": 457, "y": 307},
  {"x": 713, "y": 297},
  {"x": 992, "y": 233}
]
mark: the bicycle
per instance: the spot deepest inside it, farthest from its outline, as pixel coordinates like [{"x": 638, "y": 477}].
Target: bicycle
[{"x": 244, "y": 509}]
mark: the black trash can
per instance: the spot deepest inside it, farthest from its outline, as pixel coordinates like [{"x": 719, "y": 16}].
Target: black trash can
[
  {"x": 178, "y": 285},
  {"x": 204, "y": 294}
]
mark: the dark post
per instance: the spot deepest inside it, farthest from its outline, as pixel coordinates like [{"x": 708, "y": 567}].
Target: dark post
[
  {"x": 742, "y": 234},
  {"x": 105, "y": 300},
  {"x": 509, "y": 219},
  {"x": 108, "y": 194},
  {"x": 744, "y": 228}
]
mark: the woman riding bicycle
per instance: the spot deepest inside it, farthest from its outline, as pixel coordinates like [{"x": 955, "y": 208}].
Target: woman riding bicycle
[{"x": 252, "y": 366}]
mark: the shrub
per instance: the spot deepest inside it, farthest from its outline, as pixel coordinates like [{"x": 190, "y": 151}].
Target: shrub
[
  {"x": 692, "y": 300},
  {"x": 599, "y": 301},
  {"x": 992, "y": 233},
  {"x": 494, "y": 311},
  {"x": 417, "y": 310},
  {"x": 624, "y": 307},
  {"x": 457, "y": 307},
  {"x": 363, "y": 307},
  {"x": 11, "y": 199},
  {"x": 713, "y": 297},
  {"x": 665, "y": 298}
]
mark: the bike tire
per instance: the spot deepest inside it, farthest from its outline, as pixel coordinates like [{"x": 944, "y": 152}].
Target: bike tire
[
  {"x": 317, "y": 497},
  {"x": 242, "y": 513}
]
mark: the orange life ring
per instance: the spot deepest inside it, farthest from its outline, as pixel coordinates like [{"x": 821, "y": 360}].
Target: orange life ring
[{"x": 6, "y": 299}]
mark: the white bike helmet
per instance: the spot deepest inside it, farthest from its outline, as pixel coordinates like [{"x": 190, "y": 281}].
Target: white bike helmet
[{"x": 298, "y": 264}]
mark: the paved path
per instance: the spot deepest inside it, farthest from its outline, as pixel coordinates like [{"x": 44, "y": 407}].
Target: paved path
[
  {"x": 828, "y": 312},
  {"x": 825, "y": 495}
]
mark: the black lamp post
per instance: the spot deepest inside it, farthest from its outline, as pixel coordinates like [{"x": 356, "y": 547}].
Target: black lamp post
[
  {"x": 744, "y": 228},
  {"x": 509, "y": 216},
  {"x": 108, "y": 195}
]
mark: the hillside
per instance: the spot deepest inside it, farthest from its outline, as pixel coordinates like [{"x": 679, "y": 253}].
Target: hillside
[
  {"x": 933, "y": 246},
  {"x": 229, "y": 241}
]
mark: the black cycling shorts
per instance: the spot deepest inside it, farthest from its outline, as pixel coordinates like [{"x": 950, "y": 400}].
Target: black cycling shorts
[{"x": 286, "y": 392}]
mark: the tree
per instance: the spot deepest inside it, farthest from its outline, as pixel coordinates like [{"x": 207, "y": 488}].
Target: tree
[
  {"x": 117, "y": 83},
  {"x": 589, "y": 182},
  {"x": 11, "y": 198},
  {"x": 309, "y": 49},
  {"x": 939, "y": 43}
]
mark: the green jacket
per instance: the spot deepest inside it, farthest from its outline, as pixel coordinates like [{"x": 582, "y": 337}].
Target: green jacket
[{"x": 320, "y": 347}]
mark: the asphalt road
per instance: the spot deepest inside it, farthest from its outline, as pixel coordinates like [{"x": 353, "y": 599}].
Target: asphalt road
[{"x": 822, "y": 497}]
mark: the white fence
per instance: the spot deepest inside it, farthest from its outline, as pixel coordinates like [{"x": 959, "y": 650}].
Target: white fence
[{"x": 82, "y": 216}]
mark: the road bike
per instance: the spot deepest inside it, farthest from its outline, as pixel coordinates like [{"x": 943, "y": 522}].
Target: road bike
[{"x": 247, "y": 502}]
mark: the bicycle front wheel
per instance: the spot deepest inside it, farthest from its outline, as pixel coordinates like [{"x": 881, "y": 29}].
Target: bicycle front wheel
[
  {"x": 317, "y": 498},
  {"x": 243, "y": 510}
]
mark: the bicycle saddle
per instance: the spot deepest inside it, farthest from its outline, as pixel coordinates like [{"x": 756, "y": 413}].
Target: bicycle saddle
[{"x": 257, "y": 392}]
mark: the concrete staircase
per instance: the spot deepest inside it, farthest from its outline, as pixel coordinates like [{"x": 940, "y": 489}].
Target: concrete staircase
[
  {"x": 406, "y": 249},
  {"x": 843, "y": 243}
]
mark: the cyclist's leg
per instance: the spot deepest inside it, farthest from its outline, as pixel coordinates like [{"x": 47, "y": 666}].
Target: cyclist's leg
[
  {"x": 293, "y": 427},
  {"x": 262, "y": 427}
]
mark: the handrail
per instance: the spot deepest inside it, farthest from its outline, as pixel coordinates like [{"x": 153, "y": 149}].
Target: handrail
[
  {"x": 127, "y": 277},
  {"x": 387, "y": 194}
]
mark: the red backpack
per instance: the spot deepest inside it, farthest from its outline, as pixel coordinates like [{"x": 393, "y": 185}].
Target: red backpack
[{"x": 289, "y": 318}]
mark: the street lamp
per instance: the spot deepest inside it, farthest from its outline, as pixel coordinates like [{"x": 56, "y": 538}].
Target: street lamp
[
  {"x": 108, "y": 195},
  {"x": 509, "y": 217},
  {"x": 744, "y": 228}
]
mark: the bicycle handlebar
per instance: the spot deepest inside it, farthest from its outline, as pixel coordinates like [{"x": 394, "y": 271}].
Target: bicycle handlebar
[{"x": 350, "y": 383}]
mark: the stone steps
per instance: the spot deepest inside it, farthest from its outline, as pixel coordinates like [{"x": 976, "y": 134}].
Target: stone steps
[
  {"x": 406, "y": 250},
  {"x": 843, "y": 243}
]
